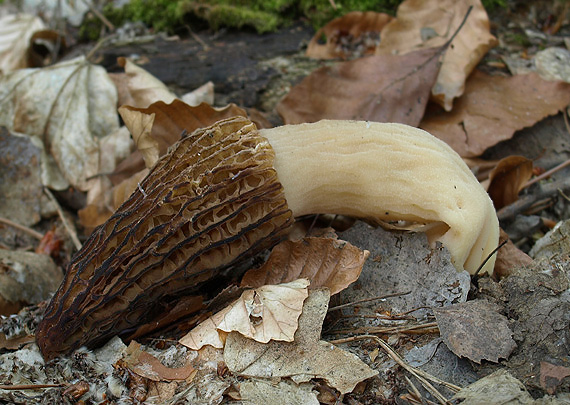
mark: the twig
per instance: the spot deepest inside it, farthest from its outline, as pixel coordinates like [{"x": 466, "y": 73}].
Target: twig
[
  {"x": 100, "y": 16},
  {"x": 22, "y": 228},
  {"x": 488, "y": 257},
  {"x": 197, "y": 38},
  {"x": 350, "y": 304},
  {"x": 66, "y": 225},
  {"x": 30, "y": 386},
  {"x": 430, "y": 327},
  {"x": 547, "y": 174},
  {"x": 419, "y": 374},
  {"x": 98, "y": 45},
  {"x": 509, "y": 212},
  {"x": 415, "y": 391}
]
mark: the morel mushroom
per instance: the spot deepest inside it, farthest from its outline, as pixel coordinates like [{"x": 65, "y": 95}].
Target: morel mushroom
[{"x": 229, "y": 190}]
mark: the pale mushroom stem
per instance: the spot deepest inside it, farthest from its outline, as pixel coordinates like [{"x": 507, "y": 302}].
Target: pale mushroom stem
[{"x": 387, "y": 172}]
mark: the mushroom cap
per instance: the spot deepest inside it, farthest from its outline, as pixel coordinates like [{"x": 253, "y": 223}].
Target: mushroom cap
[{"x": 213, "y": 198}]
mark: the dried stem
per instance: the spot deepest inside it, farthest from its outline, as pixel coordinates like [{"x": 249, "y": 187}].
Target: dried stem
[
  {"x": 68, "y": 227},
  {"x": 421, "y": 375},
  {"x": 351, "y": 304},
  {"x": 30, "y": 386},
  {"x": 22, "y": 228}
]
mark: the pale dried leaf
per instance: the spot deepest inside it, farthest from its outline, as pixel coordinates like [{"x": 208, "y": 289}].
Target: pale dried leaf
[
  {"x": 508, "y": 178},
  {"x": 475, "y": 330},
  {"x": 142, "y": 88},
  {"x": 493, "y": 108},
  {"x": 66, "y": 108},
  {"x": 421, "y": 24},
  {"x": 263, "y": 314},
  {"x": 305, "y": 358},
  {"x": 382, "y": 88},
  {"x": 203, "y": 94},
  {"x": 326, "y": 262},
  {"x": 15, "y": 34},
  {"x": 349, "y": 27},
  {"x": 140, "y": 125}
]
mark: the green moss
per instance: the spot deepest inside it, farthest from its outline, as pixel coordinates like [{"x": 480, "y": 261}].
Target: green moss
[
  {"x": 491, "y": 5},
  {"x": 261, "y": 15},
  {"x": 161, "y": 15},
  {"x": 238, "y": 17}
]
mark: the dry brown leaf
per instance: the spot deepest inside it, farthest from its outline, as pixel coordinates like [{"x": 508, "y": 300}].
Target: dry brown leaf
[
  {"x": 493, "y": 108},
  {"x": 66, "y": 107},
  {"x": 148, "y": 366},
  {"x": 16, "y": 342},
  {"x": 161, "y": 125},
  {"x": 509, "y": 257},
  {"x": 508, "y": 178},
  {"x": 423, "y": 24},
  {"x": 551, "y": 376},
  {"x": 263, "y": 314},
  {"x": 349, "y": 27},
  {"x": 326, "y": 262},
  {"x": 382, "y": 88},
  {"x": 475, "y": 330},
  {"x": 15, "y": 34}
]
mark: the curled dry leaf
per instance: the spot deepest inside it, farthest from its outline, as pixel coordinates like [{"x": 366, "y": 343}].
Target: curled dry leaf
[
  {"x": 327, "y": 262},
  {"x": 421, "y": 24},
  {"x": 15, "y": 34},
  {"x": 349, "y": 28},
  {"x": 66, "y": 107},
  {"x": 138, "y": 88},
  {"x": 160, "y": 125},
  {"x": 508, "y": 178},
  {"x": 304, "y": 358},
  {"x": 382, "y": 88},
  {"x": 263, "y": 314},
  {"x": 493, "y": 108}
]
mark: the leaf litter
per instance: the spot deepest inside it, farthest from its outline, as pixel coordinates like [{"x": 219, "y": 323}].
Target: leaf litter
[{"x": 534, "y": 330}]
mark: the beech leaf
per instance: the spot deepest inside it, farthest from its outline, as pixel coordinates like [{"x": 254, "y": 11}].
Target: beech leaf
[
  {"x": 508, "y": 178},
  {"x": 350, "y": 27},
  {"x": 493, "y": 108},
  {"x": 263, "y": 314},
  {"x": 305, "y": 358},
  {"x": 382, "y": 88},
  {"x": 421, "y": 24},
  {"x": 326, "y": 262}
]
